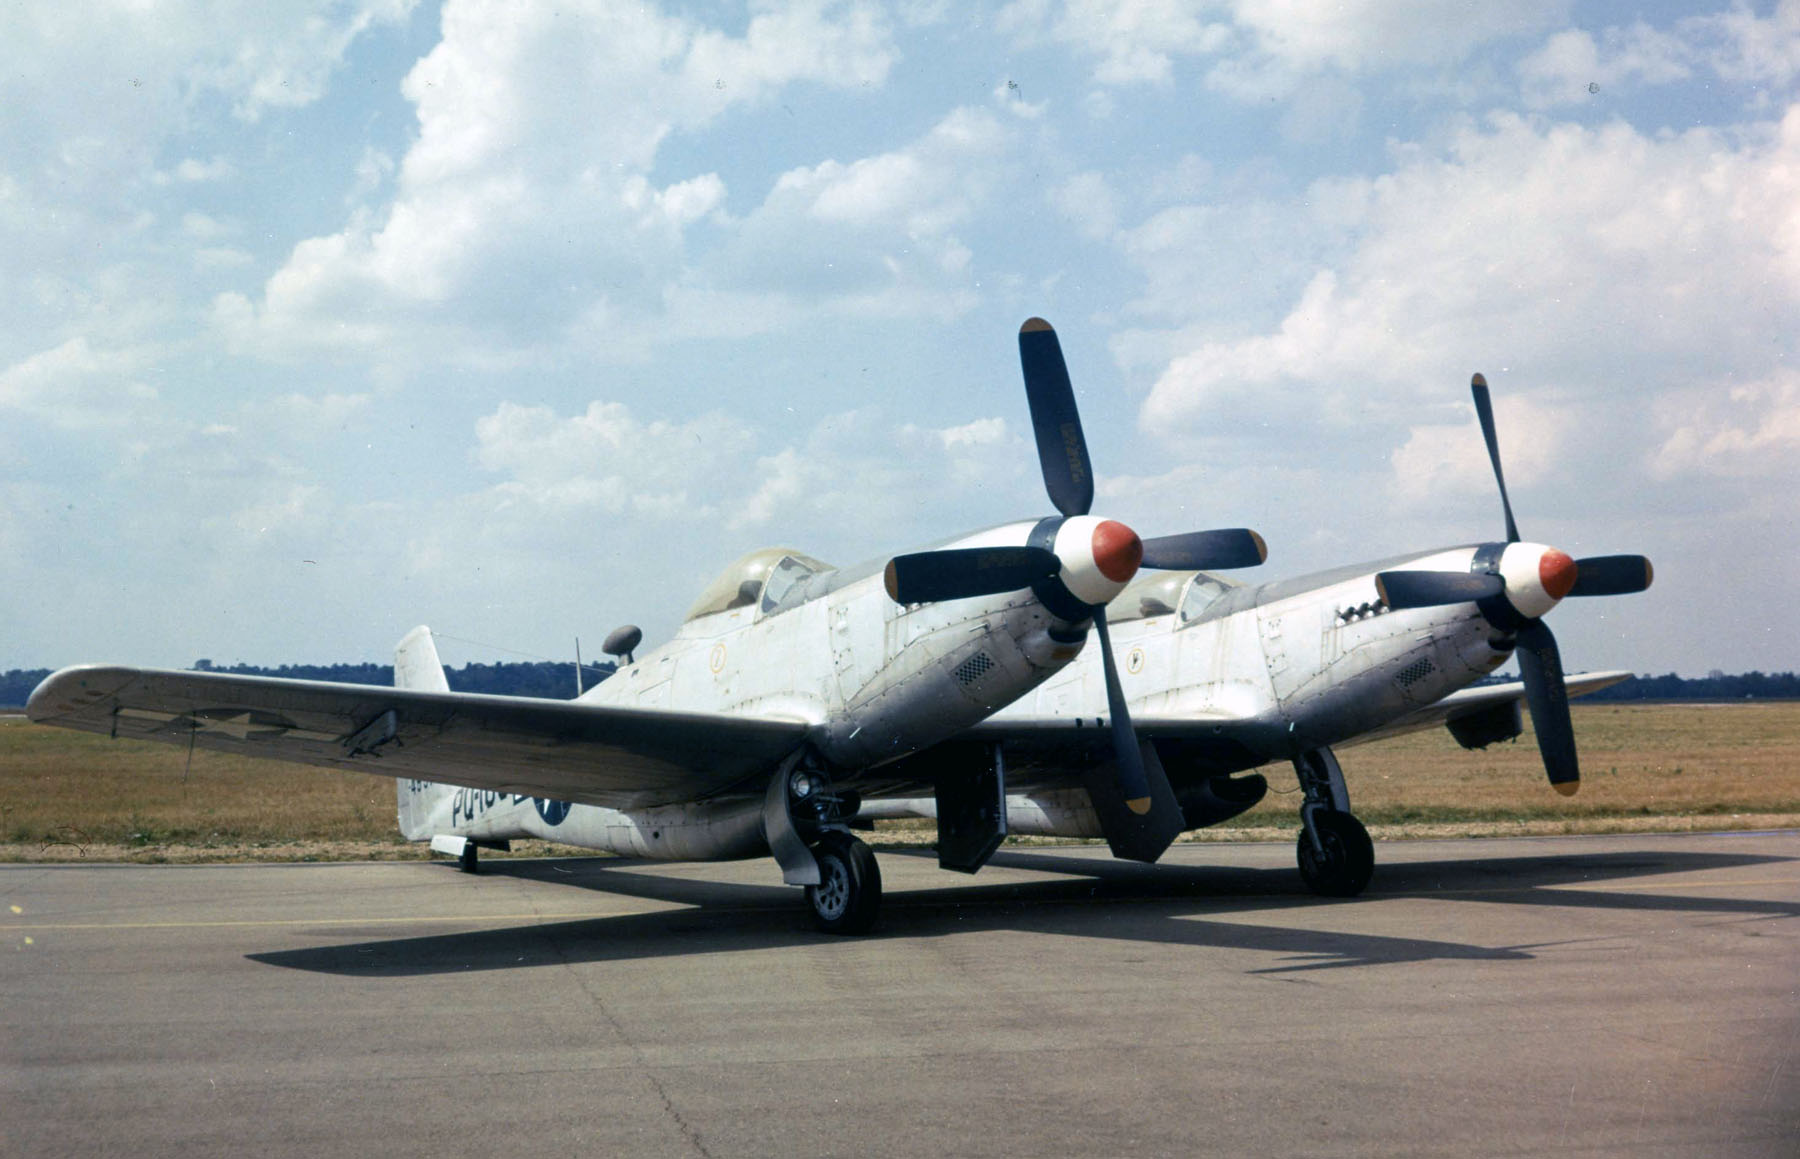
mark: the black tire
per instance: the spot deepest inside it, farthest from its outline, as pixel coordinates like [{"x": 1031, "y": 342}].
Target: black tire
[
  {"x": 848, "y": 896},
  {"x": 1349, "y": 859},
  {"x": 470, "y": 861}
]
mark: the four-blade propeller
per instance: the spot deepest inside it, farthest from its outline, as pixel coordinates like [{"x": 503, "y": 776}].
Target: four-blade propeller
[
  {"x": 1077, "y": 562},
  {"x": 1514, "y": 584}
]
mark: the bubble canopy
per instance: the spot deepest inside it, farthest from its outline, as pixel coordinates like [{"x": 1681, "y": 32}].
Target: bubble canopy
[
  {"x": 771, "y": 579},
  {"x": 1161, "y": 593}
]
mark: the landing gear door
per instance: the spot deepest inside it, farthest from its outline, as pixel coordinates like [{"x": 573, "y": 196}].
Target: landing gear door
[{"x": 971, "y": 806}]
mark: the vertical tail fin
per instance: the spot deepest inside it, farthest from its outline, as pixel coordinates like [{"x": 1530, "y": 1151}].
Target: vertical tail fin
[
  {"x": 416, "y": 666},
  {"x": 416, "y": 663}
]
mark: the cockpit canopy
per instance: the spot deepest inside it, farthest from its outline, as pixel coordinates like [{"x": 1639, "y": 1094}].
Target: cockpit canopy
[
  {"x": 772, "y": 580},
  {"x": 1161, "y": 593}
]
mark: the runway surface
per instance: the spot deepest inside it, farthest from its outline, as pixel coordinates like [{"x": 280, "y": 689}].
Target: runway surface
[{"x": 1567, "y": 996}]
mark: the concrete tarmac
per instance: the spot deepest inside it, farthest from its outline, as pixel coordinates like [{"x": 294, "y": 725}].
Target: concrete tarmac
[{"x": 1566, "y": 996}]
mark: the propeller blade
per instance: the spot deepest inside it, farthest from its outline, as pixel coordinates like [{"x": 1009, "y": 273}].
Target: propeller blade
[
  {"x": 1133, "y": 836},
  {"x": 1548, "y": 697},
  {"x": 1206, "y": 550},
  {"x": 1611, "y": 575},
  {"x": 1431, "y": 589},
  {"x": 929, "y": 576},
  {"x": 1484, "y": 410},
  {"x": 1062, "y": 449},
  {"x": 1134, "y": 782}
]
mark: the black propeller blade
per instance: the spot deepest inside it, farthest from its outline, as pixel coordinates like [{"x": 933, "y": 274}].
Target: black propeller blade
[
  {"x": 1151, "y": 817},
  {"x": 1206, "y": 550},
  {"x": 1611, "y": 575},
  {"x": 957, "y": 574},
  {"x": 1062, "y": 448},
  {"x": 1484, "y": 410},
  {"x": 1068, "y": 479},
  {"x": 1135, "y": 836},
  {"x": 1431, "y": 589},
  {"x": 1134, "y": 780},
  {"x": 1541, "y": 666}
]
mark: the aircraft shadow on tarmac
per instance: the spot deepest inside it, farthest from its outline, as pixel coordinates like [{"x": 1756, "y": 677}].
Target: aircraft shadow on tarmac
[{"x": 1167, "y": 904}]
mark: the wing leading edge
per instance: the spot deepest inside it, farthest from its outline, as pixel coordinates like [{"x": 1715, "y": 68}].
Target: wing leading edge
[
  {"x": 1470, "y": 701},
  {"x": 566, "y": 750}
]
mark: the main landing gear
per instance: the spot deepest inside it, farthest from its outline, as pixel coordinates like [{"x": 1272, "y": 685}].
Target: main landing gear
[
  {"x": 806, "y": 824},
  {"x": 848, "y": 896},
  {"x": 1335, "y": 854}
]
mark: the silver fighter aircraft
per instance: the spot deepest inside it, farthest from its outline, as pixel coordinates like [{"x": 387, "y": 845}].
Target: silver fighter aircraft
[{"x": 763, "y": 727}]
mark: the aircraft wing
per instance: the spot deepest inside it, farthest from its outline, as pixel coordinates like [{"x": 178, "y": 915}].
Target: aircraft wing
[
  {"x": 1469, "y": 701},
  {"x": 564, "y": 750},
  {"x": 1050, "y": 751}
]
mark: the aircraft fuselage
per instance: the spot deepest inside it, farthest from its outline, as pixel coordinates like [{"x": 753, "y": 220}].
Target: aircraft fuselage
[{"x": 876, "y": 681}]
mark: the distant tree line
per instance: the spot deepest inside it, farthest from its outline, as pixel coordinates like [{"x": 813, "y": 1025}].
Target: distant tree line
[
  {"x": 1714, "y": 685},
  {"x": 548, "y": 679},
  {"x": 555, "y": 680}
]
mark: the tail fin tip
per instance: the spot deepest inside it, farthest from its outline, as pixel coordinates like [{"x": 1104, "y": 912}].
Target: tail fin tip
[{"x": 416, "y": 663}]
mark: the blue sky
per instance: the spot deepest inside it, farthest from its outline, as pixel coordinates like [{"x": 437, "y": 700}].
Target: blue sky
[{"x": 523, "y": 321}]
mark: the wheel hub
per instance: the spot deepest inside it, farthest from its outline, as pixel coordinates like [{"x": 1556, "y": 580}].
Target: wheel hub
[{"x": 832, "y": 894}]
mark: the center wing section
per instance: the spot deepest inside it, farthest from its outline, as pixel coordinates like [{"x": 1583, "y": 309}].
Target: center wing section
[
  {"x": 1051, "y": 751},
  {"x": 591, "y": 754}
]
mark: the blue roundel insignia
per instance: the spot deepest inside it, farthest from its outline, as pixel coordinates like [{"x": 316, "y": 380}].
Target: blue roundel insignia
[{"x": 553, "y": 812}]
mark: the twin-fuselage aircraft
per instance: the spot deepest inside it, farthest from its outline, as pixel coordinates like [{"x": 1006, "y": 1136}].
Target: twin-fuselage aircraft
[{"x": 799, "y": 702}]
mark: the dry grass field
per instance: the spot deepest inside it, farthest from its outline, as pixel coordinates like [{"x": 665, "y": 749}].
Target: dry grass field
[
  {"x": 1636, "y": 760},
  {"x": 72, "y": 796},
  {"x": 66, "y": 792}
]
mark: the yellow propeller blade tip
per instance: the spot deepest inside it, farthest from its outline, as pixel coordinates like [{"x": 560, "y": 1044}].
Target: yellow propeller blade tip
[
  {"x": 1568, "y": 788},
  {"x": 1138, "y": 805}
]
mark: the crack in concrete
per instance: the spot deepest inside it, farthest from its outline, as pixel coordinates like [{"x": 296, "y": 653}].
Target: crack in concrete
[{"x": 641, "y": 1064}]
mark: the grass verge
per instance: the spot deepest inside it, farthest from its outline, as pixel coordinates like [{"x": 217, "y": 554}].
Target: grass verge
[{"x": 68, "y": 796}]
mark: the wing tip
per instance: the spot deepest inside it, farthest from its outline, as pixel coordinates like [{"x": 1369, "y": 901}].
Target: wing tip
[{"x": 68, "y": 691}]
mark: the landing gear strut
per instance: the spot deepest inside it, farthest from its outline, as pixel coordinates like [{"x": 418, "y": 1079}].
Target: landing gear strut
[
  {"x": 848, "y": 896},
  {"x": 1335, "y": 854}
]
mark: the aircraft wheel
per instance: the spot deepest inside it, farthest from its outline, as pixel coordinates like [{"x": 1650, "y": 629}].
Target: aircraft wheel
[
  {"x": 470, "y": 861},
  {"x": 848, "y": 895},
  {"x": 1349, "y": 859}
]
